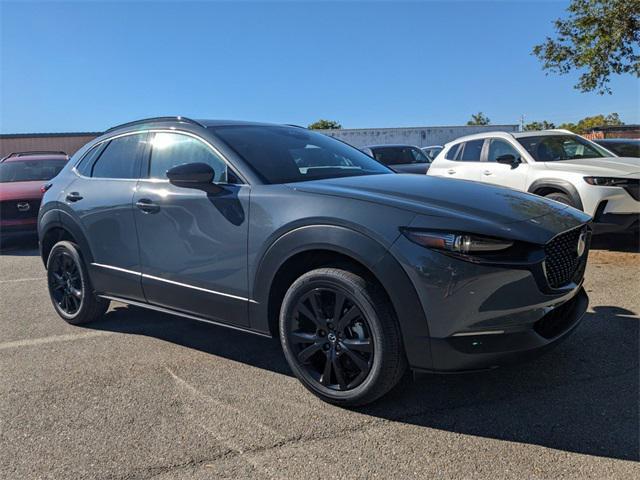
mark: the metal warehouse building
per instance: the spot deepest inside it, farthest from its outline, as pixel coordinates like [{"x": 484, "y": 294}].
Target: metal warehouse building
[
  {"x": 25, "y": 142},
  {"x": 418, "y": 136},
  {"x": 358, "y": 137}
]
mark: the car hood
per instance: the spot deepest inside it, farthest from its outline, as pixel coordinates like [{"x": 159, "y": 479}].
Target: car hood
[
  {"x": 437, "y": 196},
  {"x": 20, "y": 190},
  {"x": 610, "y": 166}
]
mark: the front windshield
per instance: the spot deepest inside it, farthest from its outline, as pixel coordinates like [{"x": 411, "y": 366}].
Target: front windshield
[
  {"x": 281, "y": 154},
  {"x": 550, "y": 148},
  {"x": 29, "y": 170}
]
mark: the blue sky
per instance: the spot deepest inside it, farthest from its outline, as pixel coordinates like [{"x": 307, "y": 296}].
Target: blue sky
[{"x": 83, "y": 66}]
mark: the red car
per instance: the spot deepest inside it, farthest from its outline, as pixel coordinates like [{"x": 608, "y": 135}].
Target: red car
[{"x": 22, "y": 179}]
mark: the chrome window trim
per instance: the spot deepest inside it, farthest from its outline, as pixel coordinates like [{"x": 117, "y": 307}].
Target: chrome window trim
[
  {"x": 158, "y": 130},
  {"x": 173, "y": 282}
]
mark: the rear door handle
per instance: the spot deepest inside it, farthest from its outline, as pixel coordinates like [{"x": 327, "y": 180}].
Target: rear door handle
[
  {"x": 451, "y": 171},
  {"x": 487, "y": 172},
  {"x": 147, "y": 206},
  {"x": 74, "y": 197}
]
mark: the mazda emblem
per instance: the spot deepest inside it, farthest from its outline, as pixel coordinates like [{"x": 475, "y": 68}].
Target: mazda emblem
[
  {"x": 23, "y": 206},
  {"x": 582, "y": 244}
]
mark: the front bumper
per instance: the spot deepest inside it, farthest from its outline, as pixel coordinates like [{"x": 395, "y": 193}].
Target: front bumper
[
  {"x": 475, "y": 352},
  {"x": 616, "y": 223},
  {"x": 482, "y": 316},
  {"x": 15, "y": 228}
]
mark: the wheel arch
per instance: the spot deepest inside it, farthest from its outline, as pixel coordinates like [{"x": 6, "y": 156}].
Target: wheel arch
[
  {"x": 56, "y": 225},
  {"x": 544, "y": 186},
  {"x": 306, "y": 248}
]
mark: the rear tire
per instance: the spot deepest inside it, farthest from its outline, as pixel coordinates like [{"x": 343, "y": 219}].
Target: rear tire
[
  {"x": 561, "y": 197},
  {"x": 70, "y": 288},
  {"x": 350, "y": 353}
]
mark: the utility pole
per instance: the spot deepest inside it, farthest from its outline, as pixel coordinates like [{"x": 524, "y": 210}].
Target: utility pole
[{"x": 522, "y": 122}]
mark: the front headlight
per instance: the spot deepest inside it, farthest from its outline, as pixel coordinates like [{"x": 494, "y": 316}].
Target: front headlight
[
  {"x": 455, "y": 242},
  {"x": 607, "y": 181}
]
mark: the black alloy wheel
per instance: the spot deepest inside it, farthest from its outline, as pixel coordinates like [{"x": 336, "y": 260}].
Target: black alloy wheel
[
  {"x": 70, "y": 286},
  {"x": 331, "y": 338},
  {"x": 341, "y": 337},
  {"x": 65, "y": 282}
]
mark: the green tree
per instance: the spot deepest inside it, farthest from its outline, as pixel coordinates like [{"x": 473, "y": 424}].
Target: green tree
[
  {"x": 479, "y": 119},
  {"x": 325, "y": 125},
  {"x": 589, "y": 123},
  {"x": 543, "y": 125},
  {"x": 599, "y": 38}
]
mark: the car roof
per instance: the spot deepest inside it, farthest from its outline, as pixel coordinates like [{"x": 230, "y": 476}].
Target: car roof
[
  {"x": 33, "y": 156},
  {"x": 509, "y": 135}
]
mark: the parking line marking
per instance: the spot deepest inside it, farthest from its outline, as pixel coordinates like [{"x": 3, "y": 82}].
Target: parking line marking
[
  {"x": 30, "y": 342},
  {"x": 23, "y": 279}
]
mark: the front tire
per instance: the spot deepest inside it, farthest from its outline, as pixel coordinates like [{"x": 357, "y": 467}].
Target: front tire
[
  {"x": 561, "y": 197},
  {"x": 69, "y": 286},
  {"x": 340, "y": 337}
]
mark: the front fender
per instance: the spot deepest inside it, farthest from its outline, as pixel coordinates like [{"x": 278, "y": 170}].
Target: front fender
[
  {"x": 561, "y": 185},
  {"x": 363, "y": 249}
]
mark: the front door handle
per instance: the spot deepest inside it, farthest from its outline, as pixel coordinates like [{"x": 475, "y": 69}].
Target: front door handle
[
  {"x": 487, "y": 172},
  {"x": 74, "y": 197},
  {"x": 451, "y": 171},
  {"x": 147, "y": 206}
]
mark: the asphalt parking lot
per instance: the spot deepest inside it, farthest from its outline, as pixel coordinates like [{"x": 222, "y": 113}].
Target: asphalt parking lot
[{"x": 145, "y": 395}]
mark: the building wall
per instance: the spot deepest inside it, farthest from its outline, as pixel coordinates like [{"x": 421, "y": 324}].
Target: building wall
[
  {"x": 68, "y": 143},
  {"x": 419, "y": 136}
]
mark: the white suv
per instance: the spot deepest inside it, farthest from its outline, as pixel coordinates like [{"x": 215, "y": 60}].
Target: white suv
[{"x": 555, "y": 164}]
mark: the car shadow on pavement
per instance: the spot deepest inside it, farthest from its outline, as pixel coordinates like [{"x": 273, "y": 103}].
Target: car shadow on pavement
[{"x": 580, "y": 397}]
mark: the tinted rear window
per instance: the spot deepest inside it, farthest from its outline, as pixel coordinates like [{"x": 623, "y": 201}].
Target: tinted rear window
[
  {"x": 452, "y": 153},
  {"x": 472, "y": 151},
  {"x": 280, "y": 154},
  {"x": 399, "y": 155},
  {"x": 119, "y": 158},
  {"x": 30, "y": 170}
]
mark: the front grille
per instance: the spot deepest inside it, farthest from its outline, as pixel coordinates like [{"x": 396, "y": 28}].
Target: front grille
[
  {"x": 562, "y": 262},
  {"x": 18, "y": 210}
]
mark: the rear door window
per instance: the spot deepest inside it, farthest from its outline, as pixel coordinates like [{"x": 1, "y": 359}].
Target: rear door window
[
  {"x": 120, "y": 158},
  {"x": 452, "y": 153},
  {"x": 471, "y": 151},
  {"x": 85, "y": 165}
]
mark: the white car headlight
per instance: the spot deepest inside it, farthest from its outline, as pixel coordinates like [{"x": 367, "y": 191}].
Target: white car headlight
[{"x": 607, "y": 181}]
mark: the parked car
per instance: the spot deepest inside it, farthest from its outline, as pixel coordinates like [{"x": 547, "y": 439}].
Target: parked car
[
  {"x": 360, "y": 272},
  {"x": 400, "y": 158},
  {"x": 22, "y": 175},
  {"x": 623, "y": 147},
  {"x": 555, "y": 164},
  {"x": 432, "y": 151}
]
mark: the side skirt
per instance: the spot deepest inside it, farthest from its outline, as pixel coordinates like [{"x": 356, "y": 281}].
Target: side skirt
[{"x": 184, "y": 315}]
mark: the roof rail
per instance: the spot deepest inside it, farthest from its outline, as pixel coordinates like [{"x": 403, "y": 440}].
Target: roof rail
[
  {"x": 155, "y": 119},
  {"x": 35, "y": 152}
]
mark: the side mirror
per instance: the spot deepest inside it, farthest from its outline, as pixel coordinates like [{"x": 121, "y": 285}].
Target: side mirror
[
  {"x": 509, "y": 159},
  {"x": 196, "y": 175}
]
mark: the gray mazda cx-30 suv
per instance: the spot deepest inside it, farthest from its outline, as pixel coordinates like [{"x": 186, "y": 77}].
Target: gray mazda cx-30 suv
[{"x": 280, "y": 231}]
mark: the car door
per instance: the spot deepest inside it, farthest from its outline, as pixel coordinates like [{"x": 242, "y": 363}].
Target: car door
[
  {"x": 101, "y": 200},
  {"x": 513, "y": 176},
  {"x": 193, "y": 244},
  {"x": 462, "y": 161}
]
